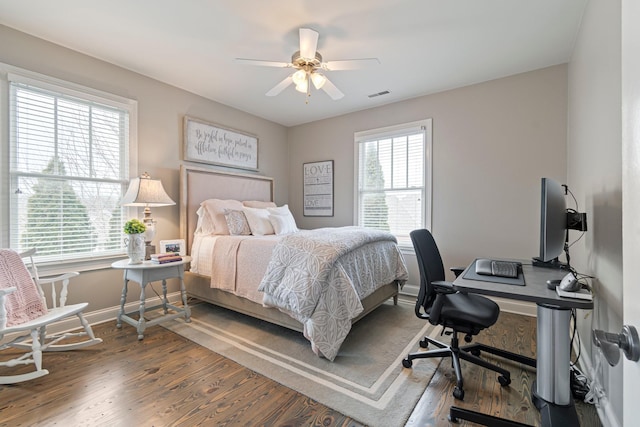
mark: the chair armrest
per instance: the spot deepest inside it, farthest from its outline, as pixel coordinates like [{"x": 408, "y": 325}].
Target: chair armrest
[
  {"x": 53, "y": 279},
  {"x": 443, "y": 287},
  {"x": 457, "y": 270}
]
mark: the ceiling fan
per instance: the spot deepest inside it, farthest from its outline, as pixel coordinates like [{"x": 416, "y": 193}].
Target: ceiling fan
[{"x": 310, "y": 68}]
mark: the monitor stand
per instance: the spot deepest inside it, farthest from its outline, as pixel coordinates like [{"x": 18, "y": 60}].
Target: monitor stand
[{"x": 554, "y": 263}]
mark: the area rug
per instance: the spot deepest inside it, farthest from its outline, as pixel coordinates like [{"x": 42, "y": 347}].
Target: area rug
[{"x": 366, "y": 381}]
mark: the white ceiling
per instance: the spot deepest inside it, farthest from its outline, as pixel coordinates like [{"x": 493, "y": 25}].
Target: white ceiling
[{"x": 424, "y": 46}]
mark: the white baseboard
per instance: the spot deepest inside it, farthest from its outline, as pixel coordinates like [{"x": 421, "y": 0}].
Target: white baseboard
[{"x": 107, "y": 314}]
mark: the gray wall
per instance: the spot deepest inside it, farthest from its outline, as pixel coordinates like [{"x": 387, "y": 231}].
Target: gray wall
[
  {"x": 594, "y": 174},
  {"x": 161, "y": 109},
  {"x": 492, "y": 142}
]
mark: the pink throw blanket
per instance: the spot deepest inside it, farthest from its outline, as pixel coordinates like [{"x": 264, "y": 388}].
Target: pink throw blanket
[{"x": 25, "y": 303}]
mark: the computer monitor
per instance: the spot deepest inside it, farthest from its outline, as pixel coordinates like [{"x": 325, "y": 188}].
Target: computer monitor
[{"x": 553, "y": 223}]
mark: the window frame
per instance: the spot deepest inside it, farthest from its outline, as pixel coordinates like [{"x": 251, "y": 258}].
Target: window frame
[
  {"x": 425, "y": 126},
  {"x": 9, "y": 74}
]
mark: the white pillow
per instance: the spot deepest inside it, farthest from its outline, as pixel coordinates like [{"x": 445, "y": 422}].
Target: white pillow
[
  {"x": 283, "y": 224},
  {"x": 280, "y": 210},
  {"x": 282, "y": 219},
  {"x": 258, "y": 220}
]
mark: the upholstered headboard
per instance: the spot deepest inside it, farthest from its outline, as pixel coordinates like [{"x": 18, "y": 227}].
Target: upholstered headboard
[{"x": 198, "y": 184}]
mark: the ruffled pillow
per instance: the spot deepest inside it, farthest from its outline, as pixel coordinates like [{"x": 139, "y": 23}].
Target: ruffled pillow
[
  {"x": 237, "y": 223},
  {"x": 205, "y": 224}
]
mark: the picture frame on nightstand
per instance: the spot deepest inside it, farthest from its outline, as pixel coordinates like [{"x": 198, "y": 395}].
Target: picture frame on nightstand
[{"x": 175, "y": 246}]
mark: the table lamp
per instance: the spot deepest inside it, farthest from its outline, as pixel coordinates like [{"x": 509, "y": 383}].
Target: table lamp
[{"x": 147, "y": 192}]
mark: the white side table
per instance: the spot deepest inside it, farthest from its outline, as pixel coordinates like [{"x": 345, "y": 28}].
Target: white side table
[{"x": 147, "y": 272}]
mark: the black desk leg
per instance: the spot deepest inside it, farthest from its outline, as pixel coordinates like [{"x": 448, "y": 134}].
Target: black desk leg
[{"x": 551, "y": 392}]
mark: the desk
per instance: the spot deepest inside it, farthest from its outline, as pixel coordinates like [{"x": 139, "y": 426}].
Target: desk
[
  {"x": 147, "y": 272},
  {"x": 552, "y": 389}
]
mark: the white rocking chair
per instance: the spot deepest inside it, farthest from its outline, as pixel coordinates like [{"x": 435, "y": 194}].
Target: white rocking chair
[{"x": 30, "y": 331}]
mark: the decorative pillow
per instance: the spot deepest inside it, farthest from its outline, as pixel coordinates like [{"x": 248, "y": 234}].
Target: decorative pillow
[
  {"x": 215, "y": 208},
  {"x": 283, "y": 224},
  {"x": 258, "y": 204},
  {"x": 282, "y": 220},
  {"x": 237, "y": 223},
  {"x": 258, "y": 221}
]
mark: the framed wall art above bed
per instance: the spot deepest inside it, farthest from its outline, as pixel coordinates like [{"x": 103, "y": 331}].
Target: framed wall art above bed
[
  {"x": 215, "y": 145},
  {"x": 318, "y": 188}
]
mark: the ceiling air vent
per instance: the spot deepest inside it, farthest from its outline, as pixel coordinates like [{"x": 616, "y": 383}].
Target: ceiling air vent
[{"x": 384, "y": 92}]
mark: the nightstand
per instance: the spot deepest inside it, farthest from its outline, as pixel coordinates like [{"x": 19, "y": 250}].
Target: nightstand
[{"x": 148, "y": 272}]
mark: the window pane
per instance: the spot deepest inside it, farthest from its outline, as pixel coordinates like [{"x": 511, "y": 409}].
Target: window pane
[
  {"x": 34, "y": 127},
  {"x": 391, "y": 184},
  {"x": 68, "y": 174},
  {"x": 400, "y": 162}
]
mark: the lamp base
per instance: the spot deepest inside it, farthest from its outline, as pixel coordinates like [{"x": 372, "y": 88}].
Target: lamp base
[{"x": 149, "y": 249}]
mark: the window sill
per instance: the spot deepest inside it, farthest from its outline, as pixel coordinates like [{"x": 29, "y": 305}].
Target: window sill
[{"x": 52, "y": 268}]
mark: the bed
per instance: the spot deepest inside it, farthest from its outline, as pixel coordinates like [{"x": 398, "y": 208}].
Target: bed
[{"x": 237, "y": 289}]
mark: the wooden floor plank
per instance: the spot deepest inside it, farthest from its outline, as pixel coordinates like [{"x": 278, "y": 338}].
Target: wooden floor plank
[
  {"x": 168, "y": 380},
  {"x": 483, "y": 393}
]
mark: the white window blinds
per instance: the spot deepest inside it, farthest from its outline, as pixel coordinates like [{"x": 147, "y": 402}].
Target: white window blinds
[
  {"x": 392, "y": 180},
  {"x": 69, "y": 166}
]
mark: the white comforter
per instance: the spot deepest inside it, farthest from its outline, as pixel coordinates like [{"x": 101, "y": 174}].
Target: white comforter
[{"x": 307, "y": 279}]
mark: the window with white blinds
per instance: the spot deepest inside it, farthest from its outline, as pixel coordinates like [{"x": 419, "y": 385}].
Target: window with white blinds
[
  {"x": 393, "y": 179},
  {"x": 68, "y": 170}
]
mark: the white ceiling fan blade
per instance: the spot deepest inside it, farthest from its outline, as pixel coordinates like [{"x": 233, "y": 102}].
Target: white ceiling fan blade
[
  {"x": 350, "y": 64},
  {"x": 308, "y": 43},
  {"x": 332, "y": 90},
  {"x": 261, "y": 63},
  {"x": 280, "y": 86}
]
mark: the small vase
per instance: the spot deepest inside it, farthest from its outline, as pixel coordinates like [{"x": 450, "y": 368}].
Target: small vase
[{"x": 135, "y": 248}]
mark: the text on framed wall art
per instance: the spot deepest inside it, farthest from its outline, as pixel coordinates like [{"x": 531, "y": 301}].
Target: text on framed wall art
[
  {"x": 318, "y": 188},
  {"x": 209, "y": 143}
]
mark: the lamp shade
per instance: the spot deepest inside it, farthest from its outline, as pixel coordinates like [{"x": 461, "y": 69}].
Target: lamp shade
[{"x": 144, "y": 191}]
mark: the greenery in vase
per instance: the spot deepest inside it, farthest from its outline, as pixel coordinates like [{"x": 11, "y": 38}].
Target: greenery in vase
[{"x": 134, "y": 226}]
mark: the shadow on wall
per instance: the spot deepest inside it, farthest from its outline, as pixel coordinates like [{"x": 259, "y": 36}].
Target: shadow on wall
[{"x": 604, "y": 246}]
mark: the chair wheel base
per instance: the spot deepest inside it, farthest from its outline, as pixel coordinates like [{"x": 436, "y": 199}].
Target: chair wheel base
[
  {"x": 407, "y": 363},
  {"x": 424, "y": 343},
  {"x": 458, "y": 393},
  {"x": 504, "y": 381}
]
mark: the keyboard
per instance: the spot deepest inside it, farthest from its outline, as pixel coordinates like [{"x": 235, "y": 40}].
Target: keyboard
[{"x": 497, "y": 268}]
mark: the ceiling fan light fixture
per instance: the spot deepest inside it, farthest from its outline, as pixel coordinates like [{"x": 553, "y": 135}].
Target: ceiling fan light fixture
[
  {"x": 299, "y": 77},
  {"x": 318, "y": 80},
  {"x": 302, "y": 86}
]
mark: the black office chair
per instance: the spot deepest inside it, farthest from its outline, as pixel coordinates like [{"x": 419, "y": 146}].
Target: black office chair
[{"x": 439, "y": 303}]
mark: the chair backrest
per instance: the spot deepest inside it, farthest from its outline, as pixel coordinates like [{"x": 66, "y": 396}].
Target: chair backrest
[{"x": 430, "y": 266}]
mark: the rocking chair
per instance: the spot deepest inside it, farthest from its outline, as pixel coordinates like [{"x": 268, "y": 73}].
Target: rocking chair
[{"x": 24, "y": 315}]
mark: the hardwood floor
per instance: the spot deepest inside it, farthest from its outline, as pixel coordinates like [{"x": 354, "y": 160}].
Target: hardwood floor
[
  {"x": 168, "y": 380},
  {"x": 483, "y": 393}
]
